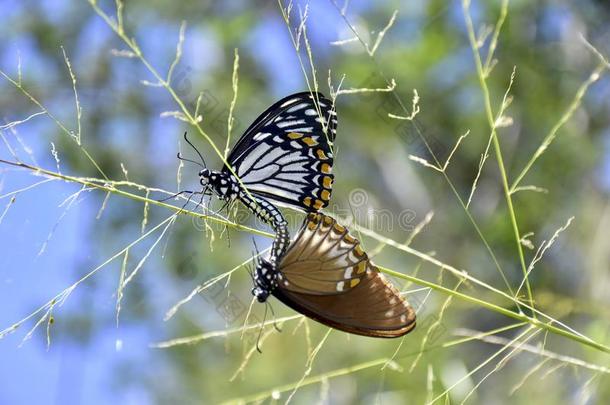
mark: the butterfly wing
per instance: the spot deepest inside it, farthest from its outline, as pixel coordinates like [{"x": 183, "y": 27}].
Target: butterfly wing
[
  {"x": 326, "y": 276},
  {"x": 286, "y": 154}
]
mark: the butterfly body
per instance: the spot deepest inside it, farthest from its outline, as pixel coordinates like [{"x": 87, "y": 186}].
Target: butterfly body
[
  {"x": 227, "y": 188},
  {"x": 284, "y": 158},
  {"x": 326, "y": 276},
  {"x": 224, "y": 185},
  {"x": 266, "y": 279}
]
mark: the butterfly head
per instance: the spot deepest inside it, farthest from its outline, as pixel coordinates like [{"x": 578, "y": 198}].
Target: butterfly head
[
  {"x": 265, "y": 280},
  {"x": 218, "y": 182},
  {"x": 204, "y": 176},
  {"x": 261, "y": 294}
]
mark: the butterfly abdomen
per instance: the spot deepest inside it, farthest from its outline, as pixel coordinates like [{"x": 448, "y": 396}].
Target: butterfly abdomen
[
  {"x": 326, "y": 275},
  {"x": 270, "y": 214}
]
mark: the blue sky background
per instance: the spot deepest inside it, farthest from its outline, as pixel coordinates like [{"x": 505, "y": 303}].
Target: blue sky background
[{"x": 90, "y": 359}]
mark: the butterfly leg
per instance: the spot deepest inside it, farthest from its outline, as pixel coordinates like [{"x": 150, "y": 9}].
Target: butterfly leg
[
  {"x": 260, "y": 332},
  {"x": 281, "y": 240},
  {"x": 187, "y": 201},
  {"x": 176, "y": 195},
  {"x": 275, "y": 324},
  {"x": 203, "y": 194},
  {"x": 225, "y": 205},
  {"x": 227, "y": 230},
  {"x": 229, "y": 206}
]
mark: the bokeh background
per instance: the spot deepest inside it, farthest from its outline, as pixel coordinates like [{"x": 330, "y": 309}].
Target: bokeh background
[{"x": 46, "y": 244}]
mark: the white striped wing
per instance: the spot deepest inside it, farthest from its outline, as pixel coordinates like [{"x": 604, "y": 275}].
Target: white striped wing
[{"x": 286, "y": 154}]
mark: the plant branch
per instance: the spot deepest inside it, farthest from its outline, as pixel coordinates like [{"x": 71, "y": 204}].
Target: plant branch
[{"x": 496, "y": 143}]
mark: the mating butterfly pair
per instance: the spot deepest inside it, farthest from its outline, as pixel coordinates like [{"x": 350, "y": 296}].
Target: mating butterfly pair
[{"x": 285, "y": 157}]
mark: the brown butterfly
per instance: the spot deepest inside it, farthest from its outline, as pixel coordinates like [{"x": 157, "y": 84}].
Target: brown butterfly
[{"x": 326, "y": 276}]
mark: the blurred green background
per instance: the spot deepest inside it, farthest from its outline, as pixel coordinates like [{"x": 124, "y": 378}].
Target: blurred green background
[{"x": 46, "y": 243}]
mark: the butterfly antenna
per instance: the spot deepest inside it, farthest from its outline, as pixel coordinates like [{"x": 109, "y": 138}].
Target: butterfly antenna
[
  {"x": 196, "y": 150},
  {"x": 179, "y": 155},
  {"x": 260, "y": 332}
]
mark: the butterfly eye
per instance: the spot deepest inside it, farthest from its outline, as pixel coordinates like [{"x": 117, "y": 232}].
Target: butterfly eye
[
  {"x": 260, "y": 294},
  {"x": 262, "y": 297}
]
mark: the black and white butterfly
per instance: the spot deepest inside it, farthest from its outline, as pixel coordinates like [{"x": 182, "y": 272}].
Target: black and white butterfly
[
  {"x": 326, "y": 276},
  {"x": 285, "y": 157}
]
